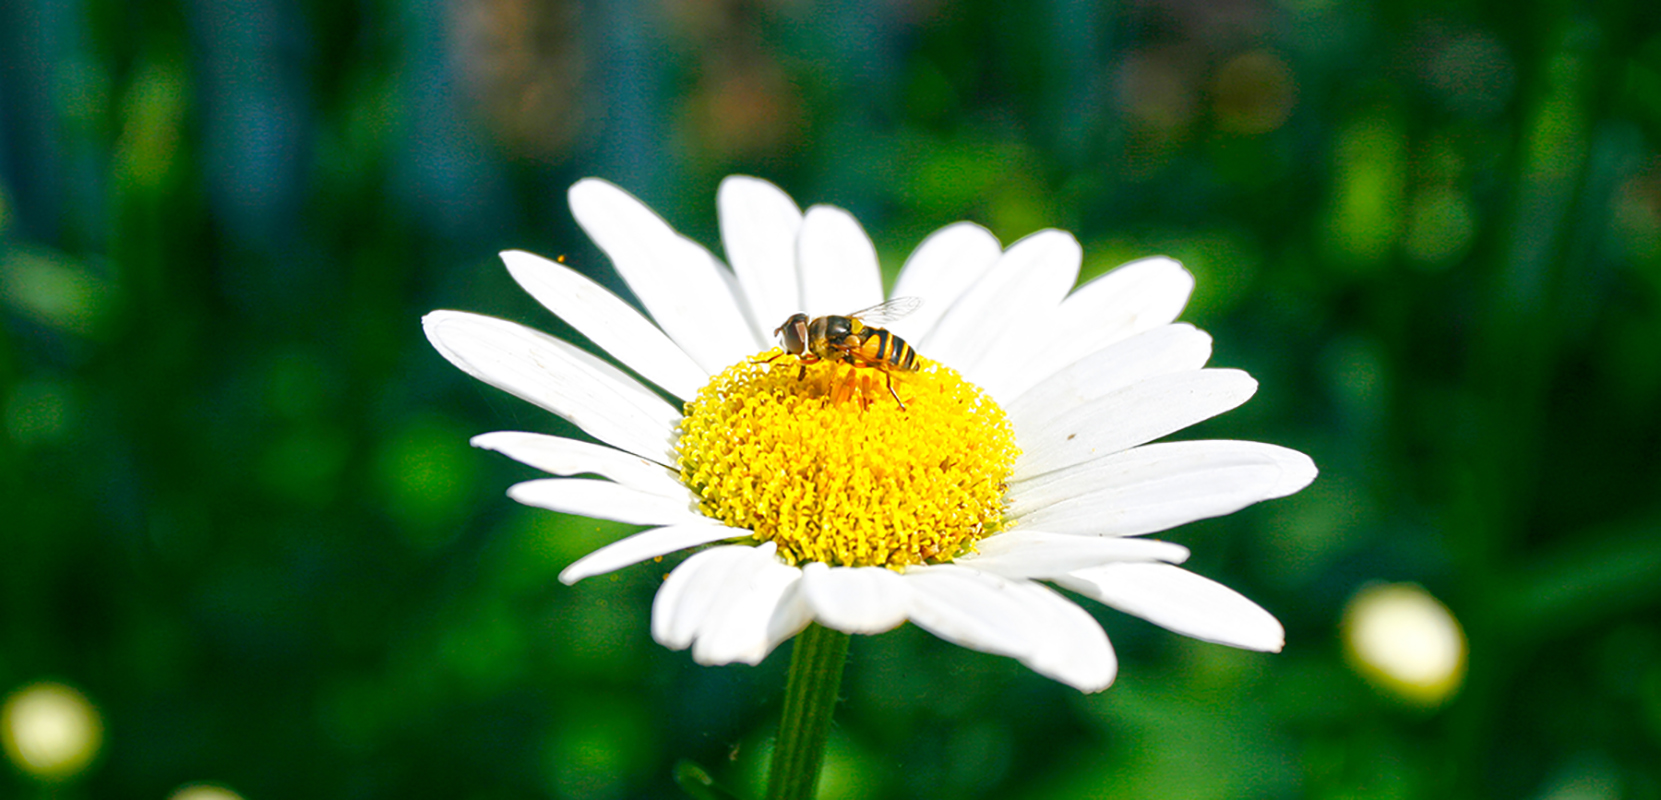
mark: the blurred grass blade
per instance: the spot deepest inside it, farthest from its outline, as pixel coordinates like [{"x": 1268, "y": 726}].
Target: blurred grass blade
[{"x": 1603, "y": 573}]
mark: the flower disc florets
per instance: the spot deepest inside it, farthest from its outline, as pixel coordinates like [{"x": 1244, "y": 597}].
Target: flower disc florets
[{"x": 832, "y": 469}]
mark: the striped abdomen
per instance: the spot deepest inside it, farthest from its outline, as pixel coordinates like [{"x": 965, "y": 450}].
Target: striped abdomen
[{"x": 878, "y": 347}]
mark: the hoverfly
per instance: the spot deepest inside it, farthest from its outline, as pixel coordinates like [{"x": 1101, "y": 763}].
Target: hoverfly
[{"x": 855, "y": 339}]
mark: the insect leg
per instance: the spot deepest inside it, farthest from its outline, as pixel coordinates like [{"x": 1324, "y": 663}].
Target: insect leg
[
  {"x": 841, "y": 387},
  {"x": 890, "y": 377}
]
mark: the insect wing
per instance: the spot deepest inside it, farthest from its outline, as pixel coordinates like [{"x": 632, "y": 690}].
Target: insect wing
[{"x": 889, "y": 312}]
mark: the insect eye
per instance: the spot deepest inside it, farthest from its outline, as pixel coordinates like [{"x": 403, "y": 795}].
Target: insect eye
[{"x": 794, "y": 334}]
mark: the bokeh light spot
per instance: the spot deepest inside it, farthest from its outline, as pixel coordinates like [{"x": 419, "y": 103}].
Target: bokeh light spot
[
  {"x": 1587, "y": 776},
  {"x": 1405, "y": 642},
  {"x": 1637, "y": 218},
  {"x": 53, "y": 290},
  {"x": 152, "y": 116},
  {"x": 50, "y": 730},
  {"x": 523, "y": 67},
  {"x": 1369, "y": 183},
  {"x": 1254, "y": 93},
  {"x": 598, "y": 747},
  {"x": 203, "y": 791},
  {"x": 427, "y": 473}
]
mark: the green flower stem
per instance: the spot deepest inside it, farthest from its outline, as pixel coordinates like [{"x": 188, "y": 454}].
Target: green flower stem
[{"x": 809, "y": 701}]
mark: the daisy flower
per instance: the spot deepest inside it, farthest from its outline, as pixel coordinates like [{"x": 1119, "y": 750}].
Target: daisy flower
[{"x": 1018, "y": 457}]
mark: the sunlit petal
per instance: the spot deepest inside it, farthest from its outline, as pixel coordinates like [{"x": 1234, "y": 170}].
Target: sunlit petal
[
  {"x": 1015, "y": 618},
  {"x": 534, "y": 366},
  {"x": 1123, "y": 419},
  {"x": 561, "y": 456},
  {"x": 1025, "y": 553},
  {"x": 1159, "y": 486},
  {"x": 1174, "y": 598},
  {"x": 647, "y": 544},
  {"x": 855, "y": 599},
  {"x": 1161, "y": 351},
  {"x": 1024, "y": 286},
  {"x": 606, "y": 500},
  {"x": 1136, "y": 297},
  {"x": 687, "y": 292},
  {"x": 608, "y": 322},
  {"x": 759, "y": 225},
  {"x": 939, "y": 271},
  {"x": 838, "y": 263}
]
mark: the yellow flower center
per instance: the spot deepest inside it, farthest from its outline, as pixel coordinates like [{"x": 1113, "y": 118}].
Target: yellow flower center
[{"x": 831, "y": 468}]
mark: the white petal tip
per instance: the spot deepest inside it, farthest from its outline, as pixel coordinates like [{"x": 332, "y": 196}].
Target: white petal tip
[
  {"x": 586, "y": 185},
  {"x": 516, "y": 492},
  {"x": 1263, "y": 635},
  {"x": 671, "y": 642},
  {"x": 1161, "y": 263},
  {"x": 1269, "y": 638},
  {"x": 1093, "y": 686},
  {"x": 517, "y": 260},
  {"x": 1165, "y": 267},
  {"x": 746, "y": 181},
  {"x": 1297, "y": 471},
  {"x": 443, "y": 323},
  {"x": 1265, "y": 645}
]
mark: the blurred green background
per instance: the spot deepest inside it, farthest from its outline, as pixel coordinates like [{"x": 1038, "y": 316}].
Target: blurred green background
[{"x": 242, "y": 520}]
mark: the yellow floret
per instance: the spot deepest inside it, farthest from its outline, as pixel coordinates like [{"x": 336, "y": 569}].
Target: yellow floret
[{"x": 833, "y": 470}]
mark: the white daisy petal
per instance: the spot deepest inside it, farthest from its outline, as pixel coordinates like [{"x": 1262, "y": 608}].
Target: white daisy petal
[
  {"x": 1179, "y": 600},
  {"x": 839, "y": 271},
  {"x": 1022, "y": 288},
  {"x": 1136, "y": 297},
  {"x": 608, "y": 322},
  {"x": 606, "y": 500},
  {"x": 855, "y": 599},
  {"x": 562, "y": 456},
  {"x": 645, "y": 545},
  {"x": 1161, "y": 351},
  {"x": 939, "y": 271},
  {"x": 986, "y": 612},
  {"x": 742, "y": 623},
  {"x": 682, "y": 286},
  {"x": 1159, "y": 486},
  {"x": 968, "y": 608},
  {"x": 1039, "y": 554},
  {"x": 790, "y": 617},
  {"x": 1128, "y": 417},
  {"x": 683, "y": 601},
  {"x": 759, "y": 224},
  {"x": 1073, "y": 648},
  {"x": 559, "y": 377}
]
